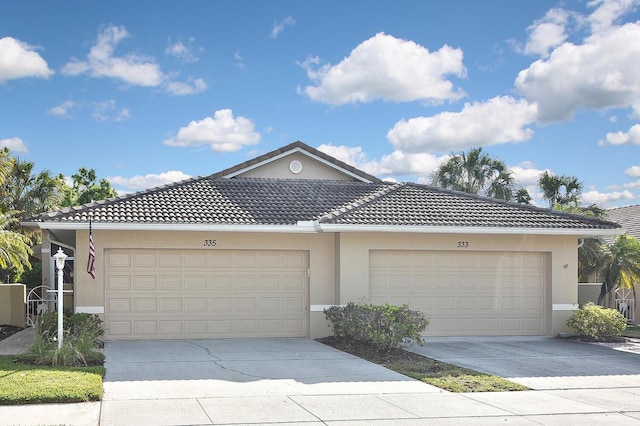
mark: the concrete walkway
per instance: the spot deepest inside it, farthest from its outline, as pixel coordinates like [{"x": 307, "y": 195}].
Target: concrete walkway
[{"x": 300, "y": 381}]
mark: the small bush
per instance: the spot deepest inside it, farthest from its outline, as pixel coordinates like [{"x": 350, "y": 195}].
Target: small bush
[
  {"x": 386, "y": 326},
  {"x": 81, "y": 337},
  {"x": 597, "y": 323}
]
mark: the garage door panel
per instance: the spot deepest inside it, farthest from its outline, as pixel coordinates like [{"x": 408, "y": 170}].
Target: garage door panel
[
  {"x": 238, "y": 293},
  {"x": 115, "y": 283},
  {"x": 145, "y": 260},
  {"x": 169, "y": 260},
  {"x": 171, "y": 282},
  {"x": 468, "y": 293}
]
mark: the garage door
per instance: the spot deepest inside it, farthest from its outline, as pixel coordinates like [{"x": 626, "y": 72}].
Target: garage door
[
  {"x": 168, "y": 294},
  {"x": 465, "y": 293}
]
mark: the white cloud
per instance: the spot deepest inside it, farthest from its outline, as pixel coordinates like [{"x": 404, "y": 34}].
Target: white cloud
[
  {"x": 385, "y": 67},
  {"x": 607, "y": 12},
  {"x": 397, "y": 163},
  {"x": 108, "y": 111},
  {"x": 633, "y": 172},
  {"x": 499, "y": 120},
  {"x": 621, "y": 138},
  {"x": 151, "y": 180},
  {"x": 238, "y": 60},
  {"x": 14, "y": 144},
  {"x": 279, "y": 27},
  {"x": 600, "y": 73},
  {"x": 19, "y": 60},
  {"x": 546, "y": 33},
  {"x": 527, "y": 175},
  {"x": 185, "y": 51},
  {"x": 132, "y": 68},
  {"x": 604, "y": 198},
  {"x": 62, "y": 110},
  {"x": 190, "y": 87},
  {"x": 223, "y": 133}
]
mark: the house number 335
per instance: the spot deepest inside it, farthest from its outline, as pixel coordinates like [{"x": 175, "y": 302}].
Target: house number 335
[
  {"x": 209, "y": 243},
  {"x": 463, "y": 244}
]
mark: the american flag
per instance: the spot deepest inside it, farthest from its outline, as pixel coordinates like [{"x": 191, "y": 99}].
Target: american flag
[{"x": 91, "y": 264}]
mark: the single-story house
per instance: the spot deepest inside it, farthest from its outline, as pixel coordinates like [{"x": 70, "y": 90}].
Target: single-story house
[{"x": 262, "y": 248}]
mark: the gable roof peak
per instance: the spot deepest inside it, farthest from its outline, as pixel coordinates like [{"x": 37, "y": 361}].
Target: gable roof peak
[{"x": 292, "y": 148}]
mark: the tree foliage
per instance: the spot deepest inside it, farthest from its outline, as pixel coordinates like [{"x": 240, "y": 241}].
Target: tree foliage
[
  {"x": 619, "y": 266},
  {"x": 476, "y": 172},
  {"x": 86, "y": 188},
  {"x": 560, "y": 190}
]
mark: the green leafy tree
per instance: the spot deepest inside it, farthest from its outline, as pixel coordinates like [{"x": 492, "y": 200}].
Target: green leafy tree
[
  {"x": 86, "y": 188},
  {"x": 476, "y": 172},
  {"x": 619, "y": 266},
  {"x": 29, "y": 193},
  {"x": 15, "y": 248},
  {"x": 523, "y": 196},
  {"x": 560, "y": 190}
]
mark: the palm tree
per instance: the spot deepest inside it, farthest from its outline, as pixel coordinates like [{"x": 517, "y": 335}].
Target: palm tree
[
  {"x": 477, "y": 173},
  {"x": 14, "y": 247},
  {"x": 619, "y": 266},
  {"x": 560, "y": 190},
  {"x": 27, "y": 193}
]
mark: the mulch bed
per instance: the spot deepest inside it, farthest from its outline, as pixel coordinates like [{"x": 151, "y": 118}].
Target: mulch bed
[
  {"x": 369, "y": 352},
  {"x": 8, "y": 330}
]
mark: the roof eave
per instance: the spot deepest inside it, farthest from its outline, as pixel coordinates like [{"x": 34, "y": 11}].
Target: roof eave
[
  {"x": 300, "y": 227},
  {"x": 578, "y": 232}
]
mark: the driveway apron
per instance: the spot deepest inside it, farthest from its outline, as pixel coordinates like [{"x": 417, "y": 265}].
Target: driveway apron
[{"x": 542, "y": 362}]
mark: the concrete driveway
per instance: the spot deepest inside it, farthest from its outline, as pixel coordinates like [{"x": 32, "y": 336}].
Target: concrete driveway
[
  {"x": 542, "y": 363},
  {"x": 300, "y": 381}
]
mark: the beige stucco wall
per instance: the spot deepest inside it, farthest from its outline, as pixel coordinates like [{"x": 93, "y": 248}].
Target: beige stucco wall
[
  {"x": 562, "y": 259},
  {"x": 13, "y": 304},
  {"x": 311, "y": 169},
  {"x": 339, "y": 263}
]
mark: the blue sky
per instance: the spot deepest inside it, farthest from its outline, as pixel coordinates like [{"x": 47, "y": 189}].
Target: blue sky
[{"x": 149, "y": 92}]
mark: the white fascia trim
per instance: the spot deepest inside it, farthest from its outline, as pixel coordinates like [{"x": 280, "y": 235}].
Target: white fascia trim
[
  {"x": 303, "y": 151},
  {"x": 565, "y": 307},
  {"x": 301, "y": 227},
  {"x": 90, "y": 309},
  {"x": 469, "y": 230}
]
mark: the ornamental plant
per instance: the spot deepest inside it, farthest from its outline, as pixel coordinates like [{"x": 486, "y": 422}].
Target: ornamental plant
[
  {"x": 82, "y": 337},
  {"x": 597, "y": 323},
  {"x": 385, "y": 326}
]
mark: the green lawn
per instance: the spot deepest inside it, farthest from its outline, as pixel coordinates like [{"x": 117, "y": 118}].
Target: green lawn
[
  {"x": 453, "y": 378},
  {"x": 632, "y": 331},
  {"x": 30, "y": 384}
]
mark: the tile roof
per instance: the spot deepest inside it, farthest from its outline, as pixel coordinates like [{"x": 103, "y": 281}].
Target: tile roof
[
  {"x": 410, "y": 204},
  {"x": 628, "y": 217},
  {"x": 253, "y": 201}
]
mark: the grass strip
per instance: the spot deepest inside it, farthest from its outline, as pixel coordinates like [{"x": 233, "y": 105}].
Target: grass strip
[
  {"x": 31, "y": 384},
  {"x": 632, "y": 331},
  {"x": 452, "y": 377}
]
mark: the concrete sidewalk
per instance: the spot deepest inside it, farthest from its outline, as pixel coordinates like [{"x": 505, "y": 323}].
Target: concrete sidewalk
[{"x": 294, "y": 381}]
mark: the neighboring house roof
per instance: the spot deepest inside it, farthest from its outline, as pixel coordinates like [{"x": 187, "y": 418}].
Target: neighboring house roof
[
  {"x": 331, "y": 204},
  {"x": 628, "y": 217}
]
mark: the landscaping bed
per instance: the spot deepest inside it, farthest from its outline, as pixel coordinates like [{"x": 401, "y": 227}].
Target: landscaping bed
[
  {"x": 8, "y": 330},
  {"x": 440, "y": 374}
]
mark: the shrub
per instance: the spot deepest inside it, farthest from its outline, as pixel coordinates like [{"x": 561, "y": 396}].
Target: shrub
[
  {"x": 597, "y": 323},
  {"x": 81, "y": 337},
  {"x": 386, "y": 326}
]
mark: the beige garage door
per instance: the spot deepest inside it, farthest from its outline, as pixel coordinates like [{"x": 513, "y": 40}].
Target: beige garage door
[
  {"x": 465, "y": 293},
  {"x": 169, "y": 294}
]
